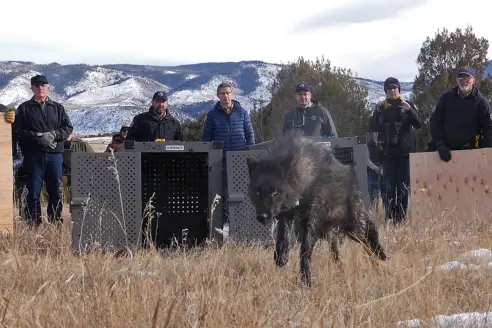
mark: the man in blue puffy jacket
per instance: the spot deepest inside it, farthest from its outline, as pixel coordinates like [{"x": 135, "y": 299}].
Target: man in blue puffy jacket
[{"x": 229, "y": 122}]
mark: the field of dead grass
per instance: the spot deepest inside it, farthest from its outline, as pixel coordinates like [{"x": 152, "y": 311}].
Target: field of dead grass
[{"x": 44, "y": 283}]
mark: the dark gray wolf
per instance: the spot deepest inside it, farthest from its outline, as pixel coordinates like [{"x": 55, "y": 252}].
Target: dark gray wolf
[{"x": 299, "y": 181}]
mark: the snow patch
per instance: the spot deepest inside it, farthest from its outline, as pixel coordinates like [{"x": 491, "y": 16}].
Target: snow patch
[
  {"x": 134, "y": 91},
  {"x": 100, "y": 77},
  {"x": 462, "y": 320},
  {"x": 473, "y": 260}
]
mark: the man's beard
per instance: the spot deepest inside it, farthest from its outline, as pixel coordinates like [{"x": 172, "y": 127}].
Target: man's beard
[{"x": 465, "y": 88}]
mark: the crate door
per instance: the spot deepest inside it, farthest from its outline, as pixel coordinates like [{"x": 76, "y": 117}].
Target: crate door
[
  {"x": 106, "y": 200},
  {"x": 243, "y": 226}
]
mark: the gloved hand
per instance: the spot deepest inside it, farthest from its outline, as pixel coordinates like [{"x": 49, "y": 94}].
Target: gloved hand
[
  {"x": 444, "y": 152},
  {"x": 10, "y": 115},
  {"x": 45, "y": 138},
  {"x": 52, "y": 145},
  {"x": 378, "y": 170}
]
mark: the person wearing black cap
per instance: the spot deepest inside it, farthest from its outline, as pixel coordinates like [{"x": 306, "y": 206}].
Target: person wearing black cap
[
  {"x": 393, "y": 120},
  {"x": 462, "y": 118},
  {"x": 41, "y": 126},
  {"x": 313, "y": 119},
  {"x": 155, "y": 124}
]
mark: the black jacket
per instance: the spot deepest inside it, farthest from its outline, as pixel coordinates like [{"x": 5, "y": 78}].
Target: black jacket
[
  {"x": 394, "y": 127},
  {"x": 31, "y": 119},
  {"x": 456, "y": 121},
  {"x": 148, "y": 127}
]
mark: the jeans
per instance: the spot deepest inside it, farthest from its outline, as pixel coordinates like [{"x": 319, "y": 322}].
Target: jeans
[
  {"x": 396, "y": 175},
  {"x": 39, "y": 167},
  {"x": 376, "y": 185}
]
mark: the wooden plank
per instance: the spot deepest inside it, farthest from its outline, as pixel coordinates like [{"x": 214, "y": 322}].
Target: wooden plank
[
  {"x": 456, "y": 190},
  {"x": 6, "y": 177}
]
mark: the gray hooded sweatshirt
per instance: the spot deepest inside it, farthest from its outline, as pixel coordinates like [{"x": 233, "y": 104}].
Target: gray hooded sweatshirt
[{"x": 314, "y": 121}]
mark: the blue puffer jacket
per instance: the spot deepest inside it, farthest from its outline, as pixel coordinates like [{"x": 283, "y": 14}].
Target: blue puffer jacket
[{"x": 234, "y": 129}]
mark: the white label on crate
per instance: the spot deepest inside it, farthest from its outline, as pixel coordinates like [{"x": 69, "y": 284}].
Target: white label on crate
[{"x": 175, "y": 147}]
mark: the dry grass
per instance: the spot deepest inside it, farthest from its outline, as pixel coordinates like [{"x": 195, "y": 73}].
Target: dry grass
[{"x": 45, "y": 284}]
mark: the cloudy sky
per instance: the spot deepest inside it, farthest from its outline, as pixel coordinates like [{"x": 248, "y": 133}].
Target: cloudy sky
[{"x": 375, "y": 38}]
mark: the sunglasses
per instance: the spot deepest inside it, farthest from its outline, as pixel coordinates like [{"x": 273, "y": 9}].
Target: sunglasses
[{"x": 464, "y": 77}]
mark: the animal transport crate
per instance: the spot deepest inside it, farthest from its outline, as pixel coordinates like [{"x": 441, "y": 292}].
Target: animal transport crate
[
  {"x": 243, "y": 226},
  {"x": 161, "y": 190}
]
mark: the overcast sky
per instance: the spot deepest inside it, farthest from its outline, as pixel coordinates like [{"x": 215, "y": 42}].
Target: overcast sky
[{"x": 375, "y": 38}]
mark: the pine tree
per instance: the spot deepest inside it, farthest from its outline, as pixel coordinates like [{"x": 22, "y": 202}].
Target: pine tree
[{"x": 192, "y": 129}]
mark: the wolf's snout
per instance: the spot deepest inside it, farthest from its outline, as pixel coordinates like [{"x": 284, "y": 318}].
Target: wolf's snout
[{"x": 262, "y": 217}]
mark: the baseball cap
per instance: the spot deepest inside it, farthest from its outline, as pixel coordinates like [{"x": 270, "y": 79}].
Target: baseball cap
[
  {"x": 302, "y": 86},
  {"x": 159, "y": 95},
  {"x": 39, "y": 79},
  {"x": 467, "y": 70}
]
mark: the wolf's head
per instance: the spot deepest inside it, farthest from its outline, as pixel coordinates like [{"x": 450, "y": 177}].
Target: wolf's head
[{"x": 270, "y": 190}]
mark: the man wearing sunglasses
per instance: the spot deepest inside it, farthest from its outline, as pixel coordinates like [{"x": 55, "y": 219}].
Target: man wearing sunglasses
[
  {"x": 314, "y": 120},
  {"x": 41, "y": 126},
  {"x": 462, "y": 118}
]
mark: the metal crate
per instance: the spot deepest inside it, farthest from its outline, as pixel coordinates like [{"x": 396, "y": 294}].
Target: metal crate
[{"x": 167, "y": 193}]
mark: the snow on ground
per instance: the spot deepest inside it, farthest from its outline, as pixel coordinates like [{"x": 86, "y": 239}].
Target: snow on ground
[
  {"x": 473, "y": 260},
  {"x": 97, "y": 140}
]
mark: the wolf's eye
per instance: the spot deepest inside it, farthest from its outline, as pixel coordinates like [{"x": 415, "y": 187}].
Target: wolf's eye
[
  {"x": 258, "y": 193},
  {"x": 274, "y": 193}
]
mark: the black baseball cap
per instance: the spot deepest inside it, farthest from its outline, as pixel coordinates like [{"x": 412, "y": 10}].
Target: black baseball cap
[
  {"x": 302, "y": 86},
  {"x": 467, "y": 70},
  {"x": 159, "y": 95},
  {"x": 39, "y": 79}
]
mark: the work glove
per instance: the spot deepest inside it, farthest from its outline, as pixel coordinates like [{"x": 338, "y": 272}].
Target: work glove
[
  {"x": 444, "y": 152},
  {"x": 10, "y": 115},
  {"x": 52, "y": 145},
  {"x": 45, "y": 138},
  {"x": 378, "y": 170}
]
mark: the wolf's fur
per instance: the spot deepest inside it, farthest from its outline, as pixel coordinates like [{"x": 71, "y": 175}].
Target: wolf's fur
[{"x": 300, "y": 181}]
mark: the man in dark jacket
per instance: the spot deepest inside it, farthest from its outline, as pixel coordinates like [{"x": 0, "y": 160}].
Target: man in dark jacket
[
  {"x": 229, "y": 122},
  {"x": 157, "y": 124},
  {"x": 393, "y": 120},
  {"x": 41, "y": 126},
  {"x": 462, "y": 115},
  {"x": 314, "y": 120}
]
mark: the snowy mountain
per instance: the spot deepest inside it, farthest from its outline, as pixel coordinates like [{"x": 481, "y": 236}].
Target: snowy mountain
[{"x": 100, "y": 98}]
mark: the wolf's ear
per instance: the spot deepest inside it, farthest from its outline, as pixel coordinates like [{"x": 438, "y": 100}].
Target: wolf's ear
[{"x": 252, "y": 165}]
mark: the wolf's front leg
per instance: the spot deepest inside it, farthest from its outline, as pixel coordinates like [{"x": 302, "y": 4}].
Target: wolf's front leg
[
  {"x": 308, "y": 241},
  {"x": 282, "y": 243}
]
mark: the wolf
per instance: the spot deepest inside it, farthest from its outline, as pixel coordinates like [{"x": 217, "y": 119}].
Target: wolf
[{"x": 301, "y": 183}]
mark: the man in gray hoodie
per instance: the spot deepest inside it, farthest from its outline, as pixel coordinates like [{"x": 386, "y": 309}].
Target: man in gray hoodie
[{"x": 313, "y": 119}]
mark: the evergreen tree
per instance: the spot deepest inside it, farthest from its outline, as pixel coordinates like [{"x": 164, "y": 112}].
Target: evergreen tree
[{"x": 192, "y": 129}]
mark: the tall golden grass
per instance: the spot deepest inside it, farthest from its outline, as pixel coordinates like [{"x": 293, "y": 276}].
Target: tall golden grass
[{"x": 44, "y": 283}]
